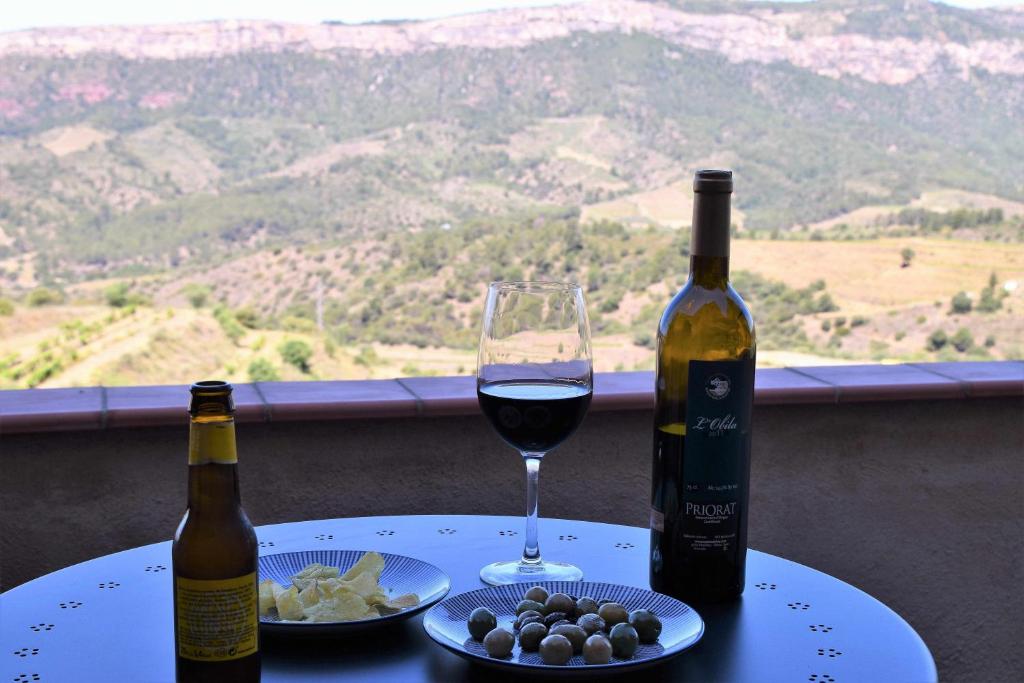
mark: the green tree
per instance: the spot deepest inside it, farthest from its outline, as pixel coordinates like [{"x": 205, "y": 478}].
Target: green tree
[
  {"x": 262, "y": 370},
  {"x": 936, "y": 340},
  {"x": 962, "y": 340},
  {"x": 961, "y": 303},
  {"x": 296, "y": 352},
  {"x": 907, "y": 254}
]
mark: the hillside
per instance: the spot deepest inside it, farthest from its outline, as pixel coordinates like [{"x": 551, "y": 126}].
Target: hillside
[{"x": 361, "y": 183}]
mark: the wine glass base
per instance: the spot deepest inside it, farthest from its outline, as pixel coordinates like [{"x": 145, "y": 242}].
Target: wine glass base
[{"x": 514, "y": 571}]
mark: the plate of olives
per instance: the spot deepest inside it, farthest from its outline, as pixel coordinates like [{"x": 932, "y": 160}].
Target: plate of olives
[{"x": 564, "y": 627}]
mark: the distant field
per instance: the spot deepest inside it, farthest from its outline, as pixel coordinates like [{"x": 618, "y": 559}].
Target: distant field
[{"x": 865, "y": 276}]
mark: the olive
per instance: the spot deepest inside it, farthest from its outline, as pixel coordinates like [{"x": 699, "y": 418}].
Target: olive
[
  {"x": 591, "y": 623},
  {"x": 624, "y": 640},
  {"x": 574, "y": 633},
  {"x": 613, "y": 613},
  {"x": 586, "y": 606},
  {"x": 559, "y": 602},
  {"x": 481, "y": 622},
  {"x": 526, "y": 615},
  {"x": 529, "y": 606},
  {"x": 647, "y": 626},
  {"x": 499, "y": 642},
  {"x": 597, "y": 650},
  {"x": 552, "y": 618},
  {"x": 530, "y": 620},
  {"x": 531, "y": 635},
  {"x": 537, "y": 594},
  {"x": 555, "y": 650}
]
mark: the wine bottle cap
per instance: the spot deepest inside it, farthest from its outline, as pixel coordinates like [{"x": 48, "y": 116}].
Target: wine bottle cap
[
  {"x": 712, "y": 181},
  {"x": 711, "y": 207}
]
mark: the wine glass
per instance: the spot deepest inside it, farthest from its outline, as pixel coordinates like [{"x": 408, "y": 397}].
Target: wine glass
[{"x": 534, "y": 381}]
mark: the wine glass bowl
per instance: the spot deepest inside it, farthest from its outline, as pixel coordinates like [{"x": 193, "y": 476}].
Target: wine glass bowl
[{"x": 534, "y": 384}]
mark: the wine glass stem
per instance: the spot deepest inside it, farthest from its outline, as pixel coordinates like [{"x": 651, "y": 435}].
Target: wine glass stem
[{"x": 531, "y": 551}]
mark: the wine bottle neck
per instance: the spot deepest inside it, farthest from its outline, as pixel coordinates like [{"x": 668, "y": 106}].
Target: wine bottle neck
[
  {"x": 709, "y": 240},
  {"x": 709, "y": 272}
]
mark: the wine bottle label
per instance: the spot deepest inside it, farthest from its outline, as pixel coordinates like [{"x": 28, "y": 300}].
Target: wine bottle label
[
  {"x": 217, "y": 620},
  {"x": 718, "y": 407},
  {"x": 212, "y": 443}
]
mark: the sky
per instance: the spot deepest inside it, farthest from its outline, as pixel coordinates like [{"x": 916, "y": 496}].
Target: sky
[{"x": 38, "y": 13}]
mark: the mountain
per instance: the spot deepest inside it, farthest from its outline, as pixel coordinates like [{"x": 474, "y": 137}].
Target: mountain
[{"x": 130, "y": 149}]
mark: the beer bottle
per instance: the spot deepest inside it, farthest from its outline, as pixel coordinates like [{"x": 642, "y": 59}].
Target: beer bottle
[{"x": 216, "y": 606}]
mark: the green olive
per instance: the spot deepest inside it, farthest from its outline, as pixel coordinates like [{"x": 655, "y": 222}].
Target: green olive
[
  {"x": 647, "y": 626},
  {"x": 481, "y": 622},
  {"x": 591, "y": 623},
  {"x": 537, "y": 594},
  {"x": 529, "y": 606},
  {"x": 613, "y": 613},
  {"x": 525, "y": 616},
  {"x": 597, "y": 650},
  {"x": 555, "y": 650},
  {"x": 499, "y": 642},
  {"x": 531, "y": 635},
  {"x": 586, "y": 606},
  {"x": 576, "y": 635},
  {"x": 559, "y": 602},
  {"x": 624, "y": 640}
]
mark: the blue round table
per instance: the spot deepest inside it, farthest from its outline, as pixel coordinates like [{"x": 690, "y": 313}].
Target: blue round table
[{"x": 110, "y": 619}]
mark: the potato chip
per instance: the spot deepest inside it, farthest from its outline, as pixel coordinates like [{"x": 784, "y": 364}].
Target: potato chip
[
  {"x": 370, "y": 562},
  {"x": 310, "y": 595},
  {"x": 363, "y": 585},
  {"x": 312, "y": 573},
  {"x": 268, "y": 595},
  {"x": 288, "y": 605},
  {"x": 343, "y": 606}
]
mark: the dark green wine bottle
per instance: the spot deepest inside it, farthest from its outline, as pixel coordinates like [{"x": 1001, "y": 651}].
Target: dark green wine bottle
[{"x": 703, "y": 401}]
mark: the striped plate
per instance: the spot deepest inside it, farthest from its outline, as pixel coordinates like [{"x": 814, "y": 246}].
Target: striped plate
[
  {"x": 446, "y": 624},
  {"x": 401, "y": 575}
]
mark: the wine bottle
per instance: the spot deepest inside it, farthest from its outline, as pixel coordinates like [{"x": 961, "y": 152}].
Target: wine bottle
[
  {"x": 704, "y": 394},
  {"x": 214, "y": 554}
]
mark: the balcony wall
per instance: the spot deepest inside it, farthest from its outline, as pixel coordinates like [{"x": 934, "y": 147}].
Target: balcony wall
[{"x": 905, "y": 481}]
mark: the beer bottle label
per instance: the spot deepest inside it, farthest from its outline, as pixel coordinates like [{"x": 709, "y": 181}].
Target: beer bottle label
[
  {"x": 212, "y": 443},
  {"x": 217, "y": 620}
]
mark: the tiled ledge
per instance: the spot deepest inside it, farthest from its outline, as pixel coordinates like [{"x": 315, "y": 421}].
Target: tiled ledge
[{"x": 42, "y": 410}]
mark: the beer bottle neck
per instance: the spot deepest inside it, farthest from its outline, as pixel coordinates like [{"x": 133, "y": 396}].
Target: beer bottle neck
[{"x": 212, "y": 462}]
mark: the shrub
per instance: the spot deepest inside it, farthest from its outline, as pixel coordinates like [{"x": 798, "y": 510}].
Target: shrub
[
  {"x": 826, "y": 325},
  {"x": 120, "y": 295},
  {"x": 990, "y": 341},
  {"x": 644, "y": 339},
  {"x": 962, "y": 340},
  {"x": 296, "y": 352},
  {"x": 858, "y": 320},
  {"x": 262, "y": 370},
  {"x": 196, "y": 294},
  {"x": 247, "y": 318},
  {"x": 936, "y": 340},
  {"x": 907, "y": 254},
  {"x": 228, "y": 323},
  {"x": 824, "y": 304},
  {"x": 840, "y": 321},
  {"x": 960, "y": 303},
  {"x": 6, "y": 307},
  {"x": 900, "y": 335},
  {"x": 44, "y": 296}
]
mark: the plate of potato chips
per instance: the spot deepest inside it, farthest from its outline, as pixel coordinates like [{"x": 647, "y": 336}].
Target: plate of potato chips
[{"x": 327, "y": 591}]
